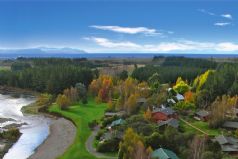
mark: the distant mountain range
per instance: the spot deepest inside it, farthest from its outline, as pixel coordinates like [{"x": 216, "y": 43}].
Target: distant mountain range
[{"x": 42, "y": 50}]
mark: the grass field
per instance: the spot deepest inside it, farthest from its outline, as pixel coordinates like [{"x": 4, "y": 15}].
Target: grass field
[
  {"x": 81, "y": 115},
  {"x": 200, "y": 125}
]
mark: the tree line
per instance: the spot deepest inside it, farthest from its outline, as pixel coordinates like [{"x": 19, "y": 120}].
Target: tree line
[{"x": 50, "y": 78}]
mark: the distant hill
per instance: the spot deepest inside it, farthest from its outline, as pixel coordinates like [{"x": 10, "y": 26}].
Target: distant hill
[{"x": 42, "y": 50}]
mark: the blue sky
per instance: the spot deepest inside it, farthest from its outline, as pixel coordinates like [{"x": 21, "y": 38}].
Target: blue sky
[{"x": 121, "y": 25}]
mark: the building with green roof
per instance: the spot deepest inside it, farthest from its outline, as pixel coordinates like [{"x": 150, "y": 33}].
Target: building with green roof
[
  {"x": 117, "y": 122},
  {"x": 163, "y": 154}
]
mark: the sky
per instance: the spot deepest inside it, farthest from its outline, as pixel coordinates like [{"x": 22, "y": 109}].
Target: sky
[{"x": 121, "y": 26}]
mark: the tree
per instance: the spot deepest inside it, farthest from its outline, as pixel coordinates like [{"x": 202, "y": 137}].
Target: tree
[
  {"x": 202, "y": 99},
  {"x": 123, "y": 75},
  {"x": 82, "y": 92},
  {"x": 181, "y": 86},
  {"x": 220, "y": 107},
  {"x": 207, "y": 155},
  {"x": 131, "y": 103},
  {"x": 143, "y": 89},
  {"x": 44, "y": 99},
  {"x": 102, "y": 88},
  {"x": 154, "y": 82},
  {"x": 132, "y": 146},
  {"x": 63, "y": 101},
  {"x": 197, "y": 147},
  {"x": 184, "y": 106},
  {"x": 148, "y": 114},
  {"x": 71, "y": 94},
  {"x": 188, "y": 96},
  {"x": 202, "y": 79}
]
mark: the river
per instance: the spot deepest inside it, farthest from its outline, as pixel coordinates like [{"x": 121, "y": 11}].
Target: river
[{"x": 35, "y": 128}]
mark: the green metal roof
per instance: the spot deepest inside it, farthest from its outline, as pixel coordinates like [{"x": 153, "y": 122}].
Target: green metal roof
[
  {"x": 117, "y": 122},
  {"x": 163, "y": 154}
]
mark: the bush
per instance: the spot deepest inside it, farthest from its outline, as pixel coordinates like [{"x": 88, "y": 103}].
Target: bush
[
  {"x": 99, "y": 134},
  {"x": 107, "y": 121},
  {"x": 92, "y": 124},
  {"x": 11, "y": 134},
  {"x": 109, "y": 146}
]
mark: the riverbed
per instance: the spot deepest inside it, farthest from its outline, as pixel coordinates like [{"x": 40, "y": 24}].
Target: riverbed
[{"x": 34, "y": 128}]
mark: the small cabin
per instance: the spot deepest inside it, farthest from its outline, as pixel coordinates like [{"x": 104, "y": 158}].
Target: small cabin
[
  {"x": 228, "y": 144},
  {"x": 230, "y": 125},
  {"x": 116, "y": 123},
  {"x": 202, "y": 115}
]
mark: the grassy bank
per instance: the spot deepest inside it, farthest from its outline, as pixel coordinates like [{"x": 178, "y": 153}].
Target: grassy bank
[{"x": 81, "y": 115}]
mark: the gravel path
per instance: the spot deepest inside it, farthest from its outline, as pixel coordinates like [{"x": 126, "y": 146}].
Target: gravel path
[
  {"x": 92, "y": 150},
  {"x": 62, "y": 134}
]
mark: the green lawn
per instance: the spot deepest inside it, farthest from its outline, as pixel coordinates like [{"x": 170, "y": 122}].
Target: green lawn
[
  {"x": 81, "y": 115},
  {"x": 205, "y": 127},
  {"x": 201, "y": 125}
]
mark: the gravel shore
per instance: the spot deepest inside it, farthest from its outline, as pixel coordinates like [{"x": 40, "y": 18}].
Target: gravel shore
[{"x": 62, "y": 134}]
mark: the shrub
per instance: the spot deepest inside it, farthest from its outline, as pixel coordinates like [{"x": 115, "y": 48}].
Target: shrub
[
  {"x": 109, "y": 146},
  {"x": 11, "y": 134},
  {"x": 99, "y": 134},
  {"x": 92, "y": 124}
]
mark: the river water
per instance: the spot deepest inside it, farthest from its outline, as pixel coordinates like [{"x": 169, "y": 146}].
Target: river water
[{"x": 34, "y": 131}]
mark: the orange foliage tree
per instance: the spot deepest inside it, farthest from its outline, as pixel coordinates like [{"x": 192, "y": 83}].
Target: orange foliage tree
[{"x": 189, "y": 96}]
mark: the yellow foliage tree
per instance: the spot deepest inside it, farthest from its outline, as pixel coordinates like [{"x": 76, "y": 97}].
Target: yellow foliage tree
[
  {"x": 63, "y": 101},
  {"x": 148, "y": 114},
  {"x": 131, "y": 103},
  {"x": 132, "y": 146}
]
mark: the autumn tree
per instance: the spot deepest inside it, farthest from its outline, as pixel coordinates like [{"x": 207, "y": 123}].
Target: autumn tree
[
  {"x": 201, "y": 80},
  {"x": 143, "y": 89},
  {"x": 189, "y": 96},
  {"x": 129, "y": 86},
  {"x": 94, "y": 87},
  {"x": 197, "y": 147},
  {"x": 181, "y": 86},
  {"x": 148, "y": 114},
  {"x": 220, "y": 107},
  {"x": 132, "y": 146},
  {"x": 63, "y": 101},
  {"x": 44, "y": 99},
  {"x": 127, "y": 89},
  {"x": 131, "y": 103},
  {"x": 71, "y": 94}
]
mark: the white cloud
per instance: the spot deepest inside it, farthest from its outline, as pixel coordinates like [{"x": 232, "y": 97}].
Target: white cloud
[
  {"x": 182, "y": 46},
  {"x": 228, "y": 16},
  {"x": 222, "y": 24},
  {"x": 206, "y": 12},
  {"x": 110, "y": 44},
  {"x": 227, "y": 46},
  {"x": 128, "y": 30}
]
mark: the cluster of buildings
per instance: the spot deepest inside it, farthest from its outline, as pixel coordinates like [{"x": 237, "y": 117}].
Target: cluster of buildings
[{"x": 166, "y": 116}]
